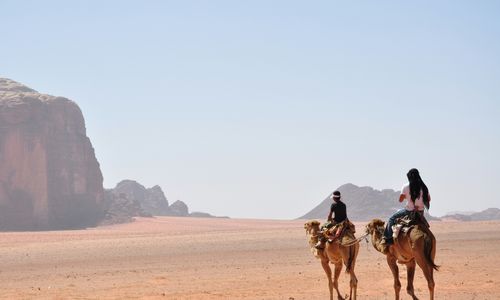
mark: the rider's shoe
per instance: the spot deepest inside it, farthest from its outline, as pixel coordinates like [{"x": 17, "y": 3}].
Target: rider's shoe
[
  {"x": 385, "y": 244},
  {"x": 320, "y": 245}
]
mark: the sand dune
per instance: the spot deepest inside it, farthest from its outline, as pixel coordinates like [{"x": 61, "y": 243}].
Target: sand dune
[{"x": 191, "y": 258}]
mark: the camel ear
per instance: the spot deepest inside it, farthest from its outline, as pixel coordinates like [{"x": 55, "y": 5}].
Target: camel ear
[
  {"x": 377, "y": 223},
  {"x": 369, "y": 226}
]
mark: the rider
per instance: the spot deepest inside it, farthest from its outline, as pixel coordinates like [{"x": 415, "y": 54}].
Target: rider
[
  {"x": 417, "y": 194},
  {"x": 338, "y": 209}
]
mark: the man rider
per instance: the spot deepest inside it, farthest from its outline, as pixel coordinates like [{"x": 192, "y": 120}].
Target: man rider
[{"x": 339, "y": 211}]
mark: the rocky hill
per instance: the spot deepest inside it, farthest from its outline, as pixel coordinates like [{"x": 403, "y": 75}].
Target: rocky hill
[
  {"x": 49, "y": 175},
  {"x": 131, "y": 199},
  {"x": 151, "y": 200},
  {"x": 489, "y": 214},
  {"x": 363, "y": 204}
]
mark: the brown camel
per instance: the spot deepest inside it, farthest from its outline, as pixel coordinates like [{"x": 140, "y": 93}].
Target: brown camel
[
  {"x": 336, "y": 253},
  {"x": 418, "y": 245}
]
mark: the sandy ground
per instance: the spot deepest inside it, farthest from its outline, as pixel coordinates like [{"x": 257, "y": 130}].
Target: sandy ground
[{"x": 185, "y": 258}]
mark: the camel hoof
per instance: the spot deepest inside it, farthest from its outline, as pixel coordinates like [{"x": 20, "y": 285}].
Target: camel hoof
[{"x": 412, "y": 294}]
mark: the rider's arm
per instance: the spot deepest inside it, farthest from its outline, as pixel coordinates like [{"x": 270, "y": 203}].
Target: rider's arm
[
  {"x": 329, "y": 218},
  {"x": 401, "y": 197}
]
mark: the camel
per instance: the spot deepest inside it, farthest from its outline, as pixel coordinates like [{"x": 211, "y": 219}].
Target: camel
[
  {"x": 418, "y": 245},
  {"x": 336, "y": 253}
]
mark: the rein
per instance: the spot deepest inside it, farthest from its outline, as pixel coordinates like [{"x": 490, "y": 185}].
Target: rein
[{"x": 355, "y": 241}]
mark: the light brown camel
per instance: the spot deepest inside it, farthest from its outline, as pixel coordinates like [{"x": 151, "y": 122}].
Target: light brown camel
[
  {"x": 418, "y": 245},
  {"x": 337, "y": 254}
]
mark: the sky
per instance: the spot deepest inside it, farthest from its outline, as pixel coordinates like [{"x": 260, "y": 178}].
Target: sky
[{"x": 260, "y": 109}]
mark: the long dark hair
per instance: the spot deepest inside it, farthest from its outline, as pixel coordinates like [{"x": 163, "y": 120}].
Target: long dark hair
[{"x": 417, "y": 185}]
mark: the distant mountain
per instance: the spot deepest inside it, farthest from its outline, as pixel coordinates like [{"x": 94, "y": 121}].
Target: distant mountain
[
  {"x": 131, "y": 199},
  {"x": 489, "y": 214},
  {"x": 363, "y": 204},
  {"x": 467, "y": 213},
  {"x": 152, "y": 200}
]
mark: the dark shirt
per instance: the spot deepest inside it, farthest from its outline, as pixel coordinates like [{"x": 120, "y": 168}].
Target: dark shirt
[{"x": 339, "y": 210}]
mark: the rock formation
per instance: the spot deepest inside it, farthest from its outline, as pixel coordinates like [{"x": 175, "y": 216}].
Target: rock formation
[
  {"x": 131, "y": 199},
  {"x": 49, "y": 175},
  {"x": 152, "y": 200},
  {"x": 179, "y": 208},
  {"x": 121, "y": 208},
  {"x": 489, "y": 214}
]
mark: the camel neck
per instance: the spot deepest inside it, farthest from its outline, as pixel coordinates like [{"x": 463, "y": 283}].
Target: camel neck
[{"x": 376, "y": 237}]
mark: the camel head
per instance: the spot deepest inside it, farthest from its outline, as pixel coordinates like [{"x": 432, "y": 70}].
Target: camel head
[
  {"x": 375, "y": 225},
  {"x": 312, "y": 227}
]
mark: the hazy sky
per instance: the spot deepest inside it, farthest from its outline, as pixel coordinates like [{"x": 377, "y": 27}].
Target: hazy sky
[{"x": 259, "y": 109}]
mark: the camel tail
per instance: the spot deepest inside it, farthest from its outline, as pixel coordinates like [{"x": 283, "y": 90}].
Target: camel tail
[{"x": 428, "y": 245}]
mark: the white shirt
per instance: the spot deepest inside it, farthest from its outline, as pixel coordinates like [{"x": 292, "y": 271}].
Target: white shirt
[{"x": 419, "y": 203}]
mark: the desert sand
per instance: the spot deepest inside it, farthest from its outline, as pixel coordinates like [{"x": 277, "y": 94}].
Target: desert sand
[{"x": 196, "y": 258}]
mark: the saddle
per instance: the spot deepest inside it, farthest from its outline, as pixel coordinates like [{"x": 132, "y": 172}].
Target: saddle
[
  {"x": 406, "y": 223},
  {"x": 337, "y": 231}
]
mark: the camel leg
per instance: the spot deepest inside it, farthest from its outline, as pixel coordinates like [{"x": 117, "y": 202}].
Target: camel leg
[
  {"x": 353, "y": 284},
  {"x": 353, "y": 280},
  {"x": 338, "y": 269},
  {"x": 328, "y": 271},
  {"x": 410, "y": 269},
  {"x": 428, "y": 273},
  {"x": 391, "y": 261}
]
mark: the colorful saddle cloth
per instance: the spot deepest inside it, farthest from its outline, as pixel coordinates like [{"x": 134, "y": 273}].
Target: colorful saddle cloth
[
  {"x": 336, "y": 231},
  {"x": 405, "y": 224}
]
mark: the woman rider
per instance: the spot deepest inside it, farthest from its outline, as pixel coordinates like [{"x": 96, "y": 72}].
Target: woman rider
[{"x": 417, "y": 194}]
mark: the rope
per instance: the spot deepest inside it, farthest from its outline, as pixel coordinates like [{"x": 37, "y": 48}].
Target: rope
[
  {"x": 355, "y": 241},
  {"x": 346, "y": 244}
]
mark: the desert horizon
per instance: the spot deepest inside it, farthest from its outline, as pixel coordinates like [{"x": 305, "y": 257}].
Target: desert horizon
[{"x": 198, "y": 258}]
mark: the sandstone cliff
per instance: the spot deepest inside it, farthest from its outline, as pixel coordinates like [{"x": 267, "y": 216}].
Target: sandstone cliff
[{"x": 49, "y": 175}]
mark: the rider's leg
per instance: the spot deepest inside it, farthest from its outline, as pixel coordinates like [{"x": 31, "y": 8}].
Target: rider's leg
[{"x": 388, "y": 228}]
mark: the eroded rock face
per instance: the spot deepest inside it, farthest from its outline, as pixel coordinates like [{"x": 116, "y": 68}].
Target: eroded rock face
[
  {"x": 152, "y": 200},
  {"x": 49, "y": 175},
  {"x": 131, "y": 199},
  {"x": 121, "y": 208}
]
